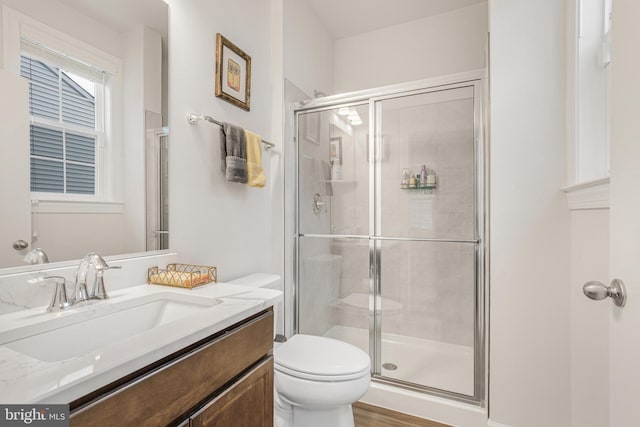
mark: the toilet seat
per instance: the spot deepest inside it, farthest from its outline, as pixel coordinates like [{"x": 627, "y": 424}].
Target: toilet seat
[{"x": 321, "y": 359}]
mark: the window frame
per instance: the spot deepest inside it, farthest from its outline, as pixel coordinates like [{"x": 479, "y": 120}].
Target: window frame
[
  {"x": 591, "y": 192},
  {"x": 16, "y": 27},
  {"x": 97, "y": 132}
]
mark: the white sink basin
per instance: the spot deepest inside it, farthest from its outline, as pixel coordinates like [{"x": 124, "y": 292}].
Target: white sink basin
[{"x": 80, "y": 335}]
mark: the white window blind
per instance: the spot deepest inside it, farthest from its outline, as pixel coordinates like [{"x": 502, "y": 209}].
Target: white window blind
[
  {"x": 63, "y": 61},
  {"x": 65, "y": 128}
]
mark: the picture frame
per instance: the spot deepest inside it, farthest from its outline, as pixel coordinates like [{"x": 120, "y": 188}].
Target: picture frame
[
  {"x": 233, "y": 73},
  {"x": 335, "y": 150}
]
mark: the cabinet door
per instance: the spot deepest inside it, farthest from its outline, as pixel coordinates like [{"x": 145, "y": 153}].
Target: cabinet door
[{"x": 247, "y": 403}]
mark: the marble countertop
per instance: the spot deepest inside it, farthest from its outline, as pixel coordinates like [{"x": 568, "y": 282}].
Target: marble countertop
[{"x": 25, "y": 379}]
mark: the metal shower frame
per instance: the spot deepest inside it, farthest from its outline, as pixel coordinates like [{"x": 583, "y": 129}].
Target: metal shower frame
[{"x": 478, "y": 82}]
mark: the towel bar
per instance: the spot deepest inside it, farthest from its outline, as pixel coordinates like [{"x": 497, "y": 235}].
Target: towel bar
[{"x": 193, "y": 119}]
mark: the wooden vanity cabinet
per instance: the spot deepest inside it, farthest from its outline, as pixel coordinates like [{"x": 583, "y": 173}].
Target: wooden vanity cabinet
[
  {"x": 224, "y": 380},
  {"x": 247, "y": 403}
]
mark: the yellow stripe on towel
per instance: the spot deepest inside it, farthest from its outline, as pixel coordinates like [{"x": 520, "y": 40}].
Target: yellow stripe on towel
[{"x": 255, "y": 173}]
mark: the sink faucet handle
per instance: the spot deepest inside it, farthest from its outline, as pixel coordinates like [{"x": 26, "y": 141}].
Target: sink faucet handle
[
  {"x": 99, "y": 291},
  {"x": 59, "y": 301}
]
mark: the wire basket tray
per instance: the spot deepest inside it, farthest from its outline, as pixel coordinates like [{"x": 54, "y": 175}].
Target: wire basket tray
[{"x": 182, "y": 275}]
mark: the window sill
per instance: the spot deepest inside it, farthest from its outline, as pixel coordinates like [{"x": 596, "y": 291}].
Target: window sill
[
  {"x": 588, "y": 195},
  {"x": 76, "y": 207}
]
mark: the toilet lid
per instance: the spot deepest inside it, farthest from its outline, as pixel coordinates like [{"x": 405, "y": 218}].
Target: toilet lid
[{"x": 320, "y": 358}]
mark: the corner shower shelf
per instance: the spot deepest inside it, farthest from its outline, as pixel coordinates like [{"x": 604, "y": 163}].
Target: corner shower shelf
[{"x": 426, "y": 187}]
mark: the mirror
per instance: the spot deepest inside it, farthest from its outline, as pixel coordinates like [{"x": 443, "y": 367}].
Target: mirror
[{"x": 120, "y": 207}]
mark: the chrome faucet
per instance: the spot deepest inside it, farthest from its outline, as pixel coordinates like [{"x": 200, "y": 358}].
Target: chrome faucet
[{"x": 80, "y": 292}]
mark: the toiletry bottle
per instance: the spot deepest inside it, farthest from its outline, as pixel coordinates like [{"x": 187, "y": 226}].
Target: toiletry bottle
[
  {"x": 405, "y": 178},
  {"x": 423, "y": 176},
  {"x": 431, "y": 178},
  {"x": 412, "y": 182}
]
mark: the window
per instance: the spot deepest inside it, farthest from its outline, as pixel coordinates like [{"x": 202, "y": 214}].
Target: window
[
  {"x": 589, "y": 115},
  {"x": 75, "y": 90},
  {"x": 65, "y": 128},
  {"x": 588, "y": 95}
]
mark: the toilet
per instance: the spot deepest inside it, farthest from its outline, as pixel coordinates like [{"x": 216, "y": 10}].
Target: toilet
[{"x": 316, "y": 379}]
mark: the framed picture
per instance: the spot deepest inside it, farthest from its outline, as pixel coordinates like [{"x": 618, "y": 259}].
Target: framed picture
[
  {"x": 233, "y": 73},
  {"x": 335, "y": 150}
]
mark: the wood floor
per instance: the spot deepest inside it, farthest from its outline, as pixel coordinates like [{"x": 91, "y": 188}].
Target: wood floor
[{"x": 366, "y": 415}]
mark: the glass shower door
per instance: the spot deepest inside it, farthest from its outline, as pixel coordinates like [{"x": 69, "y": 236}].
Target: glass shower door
[
  {"x": 388, "y": 247},
  {"x": 333, "y": 224},
  {"x": 426, "y": 240}
]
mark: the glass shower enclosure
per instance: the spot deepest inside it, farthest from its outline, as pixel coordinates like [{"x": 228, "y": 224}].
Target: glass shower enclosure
[{"x": 389, "y": 232}]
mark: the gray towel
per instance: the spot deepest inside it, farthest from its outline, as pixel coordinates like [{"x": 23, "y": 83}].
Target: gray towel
[{"x": 233, "y": 153}]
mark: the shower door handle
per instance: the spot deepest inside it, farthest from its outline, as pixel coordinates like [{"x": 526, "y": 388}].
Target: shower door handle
[{"x": 599, "y": 291}]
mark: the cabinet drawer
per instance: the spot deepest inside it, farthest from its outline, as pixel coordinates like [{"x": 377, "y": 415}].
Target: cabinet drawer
[
  {"x": 162, "y": 396},
  {"x": 247, "y": 403}
]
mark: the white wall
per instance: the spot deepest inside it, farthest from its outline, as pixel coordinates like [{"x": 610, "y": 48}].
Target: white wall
[
  {"x": 275, "y": 157},
  {"x": 70, "y": 235},
  {"x": 66, "y": 19},
  {"x": 308, "y": 62},
  {"x": 443, "y": 44},
  {"x": 213, "y": 221},
  {"x": 530, "y": 269}
]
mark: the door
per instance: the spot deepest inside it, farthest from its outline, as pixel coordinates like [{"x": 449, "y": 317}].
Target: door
[
  {"x": 14, "y": 173},
  {"x": 333, "y": 198},
  {"x": 624, "y": 322},
  {"x": 427, "y": 237}
]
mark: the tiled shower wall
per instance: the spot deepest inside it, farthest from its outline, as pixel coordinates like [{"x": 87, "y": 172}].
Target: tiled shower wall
[{"x": 434, "y": 283}]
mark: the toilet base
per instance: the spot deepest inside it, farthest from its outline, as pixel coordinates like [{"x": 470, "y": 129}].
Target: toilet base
[{"x": 297, "y": 416}]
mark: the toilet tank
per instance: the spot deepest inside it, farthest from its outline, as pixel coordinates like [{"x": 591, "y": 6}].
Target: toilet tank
[{"x": 269, "y": 281}]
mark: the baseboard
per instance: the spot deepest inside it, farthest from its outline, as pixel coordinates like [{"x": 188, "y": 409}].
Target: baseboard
[{"x": 491, "y": 423}]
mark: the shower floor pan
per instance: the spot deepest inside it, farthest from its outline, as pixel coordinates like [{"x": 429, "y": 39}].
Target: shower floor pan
[{"x": 419, "y": 361}]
